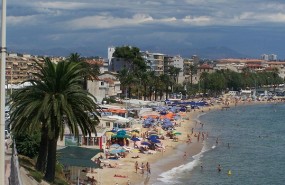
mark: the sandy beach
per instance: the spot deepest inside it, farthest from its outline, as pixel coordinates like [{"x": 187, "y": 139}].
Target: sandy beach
[
  {"x": 173, "y": 156},
  {"x": 160, "y": 161}
]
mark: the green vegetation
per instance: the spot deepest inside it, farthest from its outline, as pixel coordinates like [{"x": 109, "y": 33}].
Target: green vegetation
[
  {"x": 29, "y": 164},
  {"x": 55, "y": 100},
  {"x": 28, "y": 144},
  {"x": 137, "y": 81},
  {"x": 224, "y": 80}
]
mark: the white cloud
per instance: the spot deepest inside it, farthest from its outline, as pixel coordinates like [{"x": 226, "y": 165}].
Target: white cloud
[
  {"x": 108, "y": 21},
  {"x": 22, "y": 20},
  {"x": 105, "y": 21},
  {"x": 271, "y": 6},
  {"x": 62, "y": 5},
  {"x": 197, "y": 20},
  {"x": 262, "y": 17}
]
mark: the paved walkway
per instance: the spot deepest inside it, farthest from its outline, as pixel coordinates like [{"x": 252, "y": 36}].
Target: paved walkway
[{"x": 8, "y": 155}]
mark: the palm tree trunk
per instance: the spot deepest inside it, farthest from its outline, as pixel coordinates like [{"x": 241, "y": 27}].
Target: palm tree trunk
[
  {"x": 51, "y": 160},
  {"x": 43, "y": 150},
  {"x": 145, "y": 87},
  {"x": 129, "y": 93}
]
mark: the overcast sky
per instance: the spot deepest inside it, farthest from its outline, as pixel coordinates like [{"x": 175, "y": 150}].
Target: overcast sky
[{"x": 251, "y": 27}]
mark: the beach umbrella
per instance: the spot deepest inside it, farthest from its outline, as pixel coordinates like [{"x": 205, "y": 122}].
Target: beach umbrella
[
  {"x": 177, "y": 133},
  {"x": 121, "y": 132},
  {"x": 145, "y": 143},
  {"x": 115, "y": 146},
  {"x": 135, "y": 130},
  {"x": 109, "y": 133},
  {"x": 135, "y": 151},
  {"x": 155, "y": 141},
  {"x": 121, "y": 136},
  {"x": 135, "y": 139},
  {"x": 118, "y": 150},
  {"x": 153, "y": 137}
]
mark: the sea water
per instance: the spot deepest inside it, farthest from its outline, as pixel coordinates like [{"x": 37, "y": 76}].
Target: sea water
[{"x": 251, "y": 146}]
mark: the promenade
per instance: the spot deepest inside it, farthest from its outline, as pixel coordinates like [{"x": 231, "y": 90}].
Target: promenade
[{"x": 8, "y": 154}]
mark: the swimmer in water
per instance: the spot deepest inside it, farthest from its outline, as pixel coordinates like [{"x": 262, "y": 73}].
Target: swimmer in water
[{"x": 219, "y": 168}]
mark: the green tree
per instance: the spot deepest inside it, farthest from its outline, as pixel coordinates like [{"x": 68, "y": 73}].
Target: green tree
[
  {"x": 54, "y": 101},
  {"x": 28, "y": 144},
  {"x": 193, "y": 71},
  {"x": 216, "y": 83},
  {"x": 92, "y": 70},
  {"x": 173, "y": 72},
  {"x": 133, "y": 69},
  {"x": 204, "y": 82}
]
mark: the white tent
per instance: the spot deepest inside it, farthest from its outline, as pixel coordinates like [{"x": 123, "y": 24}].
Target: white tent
[{"x": 119, "y": 119}]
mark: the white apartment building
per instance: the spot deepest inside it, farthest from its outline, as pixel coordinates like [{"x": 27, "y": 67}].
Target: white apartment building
[
  {"x": 155, "y": 61},
  {"x": 178, "y": 63},
  {"x": 107, "y": 86}
]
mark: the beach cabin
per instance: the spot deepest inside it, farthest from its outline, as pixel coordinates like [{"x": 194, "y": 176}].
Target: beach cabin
[
  {"x": 245, "y": 93},
  {"x": 106, "y": 123},
  {"x": 233, "y": 93}
]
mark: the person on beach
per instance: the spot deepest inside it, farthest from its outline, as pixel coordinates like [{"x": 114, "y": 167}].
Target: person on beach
[
  {"x": 217, "y": 141},
  {"x": 184, "y": 156},
  {"x": 189, "y": 140},
  {"x": 142, "y": 168},
  {"x": 129, "y": 182},
  {"x": 148, "y": 168},
  {"x": 136, "y": 166}
]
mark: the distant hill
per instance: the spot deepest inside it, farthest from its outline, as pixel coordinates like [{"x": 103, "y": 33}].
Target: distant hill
[
  {"x": 203, "y": 53},
  {"x": 83, "y": 51},
  {"x": 217, "y": 53}
]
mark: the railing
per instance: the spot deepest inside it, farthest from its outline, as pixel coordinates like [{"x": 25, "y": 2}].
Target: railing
[{"x": 15, "y": 178}]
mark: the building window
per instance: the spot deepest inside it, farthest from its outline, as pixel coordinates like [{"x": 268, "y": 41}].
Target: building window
[
  {"x": 108, "y": 124},
  {"x": 102, "y": 83}
]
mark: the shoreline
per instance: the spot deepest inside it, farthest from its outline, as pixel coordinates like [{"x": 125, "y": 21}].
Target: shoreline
[{"x": 162, "y": 162}]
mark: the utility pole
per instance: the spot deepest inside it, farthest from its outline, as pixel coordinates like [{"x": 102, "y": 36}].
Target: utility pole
[{"x": 2, "y": 94}]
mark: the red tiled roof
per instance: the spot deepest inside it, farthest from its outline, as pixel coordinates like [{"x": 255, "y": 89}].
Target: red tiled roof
[
  {"x": 205, "y": 66},
  {"x": 98, "y": 62}
]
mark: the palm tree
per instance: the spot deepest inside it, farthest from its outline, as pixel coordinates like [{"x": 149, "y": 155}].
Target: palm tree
[
  {"x": 92, "y": 70},
  {"x": 165, "y": 79},
  {"x": 55, "y": 100},
  {"x": 193, "y": 71},
  {"x": 126, "y": 79}
]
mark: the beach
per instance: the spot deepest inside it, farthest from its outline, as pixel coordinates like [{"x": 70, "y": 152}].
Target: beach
[{"x": 123, "y": 170}]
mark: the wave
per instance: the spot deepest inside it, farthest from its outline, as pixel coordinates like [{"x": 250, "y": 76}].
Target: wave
[
  {"x": 198, "y": 116},
  {"x": 172, "y": 175}
]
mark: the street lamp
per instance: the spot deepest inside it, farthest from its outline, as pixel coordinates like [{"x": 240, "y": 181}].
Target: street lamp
[{"x": 2, "y": 94}]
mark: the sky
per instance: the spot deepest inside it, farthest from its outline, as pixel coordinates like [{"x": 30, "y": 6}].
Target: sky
[{"x": 174, "y": 27}]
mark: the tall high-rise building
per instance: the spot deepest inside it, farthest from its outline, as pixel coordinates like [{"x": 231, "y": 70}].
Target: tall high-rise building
[
  {"x": 270, "y": 57},
  {"x": 111, "y": 51},
  {"x": 264, "y": 57}
]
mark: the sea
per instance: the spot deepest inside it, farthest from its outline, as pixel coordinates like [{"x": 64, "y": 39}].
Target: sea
[{"x": 248, "y": 142}]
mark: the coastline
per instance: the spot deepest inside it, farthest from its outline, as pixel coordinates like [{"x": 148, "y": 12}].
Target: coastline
[
  {"x": 160, "y": 162},
  {"x": 163, "y": 162}
]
